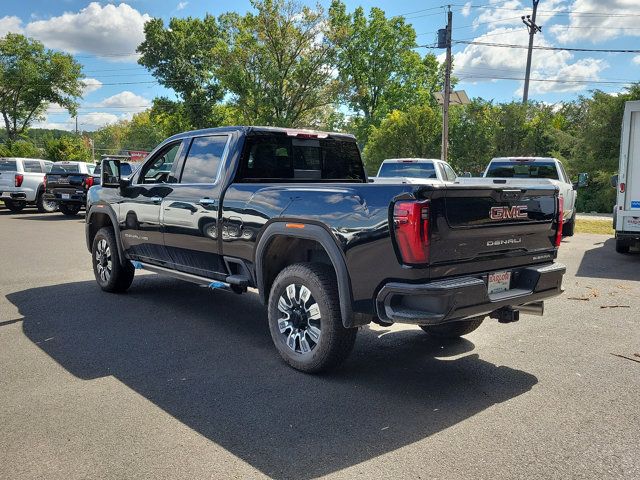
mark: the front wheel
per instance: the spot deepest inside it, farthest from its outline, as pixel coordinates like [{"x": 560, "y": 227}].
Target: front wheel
[
  {"x": 453, "y": 329},
  {"x": 111, "y": 275},
  {"x": 305, "y": 320},
  {"x": 69, "y": 209},
  {"x": 16, "y": 206}
]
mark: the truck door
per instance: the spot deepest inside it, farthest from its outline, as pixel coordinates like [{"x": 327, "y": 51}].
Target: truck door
[
  {"x": 139, "y": 209},
  {"x": 189, "y": 214}
]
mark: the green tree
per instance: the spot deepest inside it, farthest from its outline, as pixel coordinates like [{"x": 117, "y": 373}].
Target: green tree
[
  {"x": 414, "y": 133},
  {"x": 31, "y": 78},
  {"x": 277, "y": 64},
  {"x": 378, "y": 69},
  {"x": 181, "y": 56},
  {"x": 20, "y": 148},
  {"x": 471, "y": 135},
  {"x": 593, "y": 137},
  {"x": 67, "y": 148}
]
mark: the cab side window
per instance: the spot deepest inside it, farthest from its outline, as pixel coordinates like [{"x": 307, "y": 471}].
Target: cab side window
[
  {"x": 450, "y": 173},
  {"x": 32, "y": 166},
  {"x": 204, "y": 159},
  {"x": 158, "y": 169}
]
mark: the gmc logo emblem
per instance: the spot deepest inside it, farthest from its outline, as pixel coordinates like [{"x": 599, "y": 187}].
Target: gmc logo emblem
[{"x": 508, "y": 213}]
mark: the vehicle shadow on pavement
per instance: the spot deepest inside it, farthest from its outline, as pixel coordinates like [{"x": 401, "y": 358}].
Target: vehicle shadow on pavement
[
  {"x": 604, "y": 262},
  {"x": 207, "y": 359},
  {"x": 53, "y": 217}
]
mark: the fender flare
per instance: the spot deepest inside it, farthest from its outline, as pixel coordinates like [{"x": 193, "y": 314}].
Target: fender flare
[
  {"x": 328, "y": 242},
  {"x": 106, "y": 209}
]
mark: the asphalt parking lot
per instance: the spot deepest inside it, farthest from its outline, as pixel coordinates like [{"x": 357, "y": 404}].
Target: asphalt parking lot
[{"x": 175, "y": 381}]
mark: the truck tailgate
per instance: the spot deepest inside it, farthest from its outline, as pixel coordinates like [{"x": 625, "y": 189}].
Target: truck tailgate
[
  {"x": 7, "y": 179},
  {"x": 502, "y": 225}
]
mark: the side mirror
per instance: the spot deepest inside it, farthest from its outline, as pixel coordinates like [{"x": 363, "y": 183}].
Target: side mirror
[
  {"x": 614, "y": 181},
  {"x": 583, "y": 180},
  {"x": 466, "y": 175},
  {"x": 110, "y": 174}
]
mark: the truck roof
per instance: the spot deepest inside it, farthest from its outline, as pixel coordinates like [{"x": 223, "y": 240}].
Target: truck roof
[
  {"x": 526, "y": 159},
  {"x": 411, "y": 160},
  {"x": 257, "y": 129},
  {"x": 24, "y": 158}
]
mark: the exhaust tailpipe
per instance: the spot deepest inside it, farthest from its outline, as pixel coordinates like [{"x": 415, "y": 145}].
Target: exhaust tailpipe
[{"x": 533, "y": 308}]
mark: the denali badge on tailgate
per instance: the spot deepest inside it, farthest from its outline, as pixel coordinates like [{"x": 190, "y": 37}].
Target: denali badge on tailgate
[{"x": 507, "y": 213}]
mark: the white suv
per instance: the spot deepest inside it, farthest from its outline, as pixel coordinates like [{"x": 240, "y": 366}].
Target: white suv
[{"x": 22, "y": 182}]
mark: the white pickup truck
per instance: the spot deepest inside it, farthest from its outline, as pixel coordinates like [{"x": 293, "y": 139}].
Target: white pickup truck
[
  {"x": 22, "y": 183},
  {"x": 414, "y": 171},
  {"x": 536, "y": 171},
  {"x": 626, "y": 213}
]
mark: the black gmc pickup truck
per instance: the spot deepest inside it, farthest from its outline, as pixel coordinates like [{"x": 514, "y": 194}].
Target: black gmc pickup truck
[{"x": 290, "y": 213}]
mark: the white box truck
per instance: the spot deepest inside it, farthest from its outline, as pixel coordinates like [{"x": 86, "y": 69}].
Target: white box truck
[{"x": 626, "y": 213}]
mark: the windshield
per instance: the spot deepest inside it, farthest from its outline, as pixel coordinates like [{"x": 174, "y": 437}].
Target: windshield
[
  {"x": 522, "y": 169},
  {"x": 65, "y": 168},
  {"x": 408, "y": 169},
  {"x": 7, "y": 165}
]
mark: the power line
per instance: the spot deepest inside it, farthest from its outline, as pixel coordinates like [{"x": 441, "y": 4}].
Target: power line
[
  {"x": 550, "y": 80},
  {"x": 568, "y": 49},
  {"x": 561, "y": 12}
]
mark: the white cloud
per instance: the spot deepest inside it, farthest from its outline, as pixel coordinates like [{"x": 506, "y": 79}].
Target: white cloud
[
  {"x": 10, "y": 24},
  {"x": 636, "y": 59},
  {"x": 181, "y": 5},
  {"x": 482, "y": 63},
  {"x": 94, "y": 120},
  {"x": 90, "y": 85},
  {"x": 125, "y": 99},
  {"x": 112, "y": 32},
  {"x": 466, "y": 10},
  {"x": 509, "y": 13},
  {"x": 599, "y": 20}
]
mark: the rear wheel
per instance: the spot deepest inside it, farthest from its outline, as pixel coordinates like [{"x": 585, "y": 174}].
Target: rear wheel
[
  {"x": 45, "y": 206},
  {"x": 453, "y": 329},
  {"x": 569, "y": 227},
  {"x": 69, "y": 209},
  {"x": 16, "y": 206},
  {"x": 110, "y": 274},
  {"x": 621, "y": 247},
  {"x": 305, "y": 320}
]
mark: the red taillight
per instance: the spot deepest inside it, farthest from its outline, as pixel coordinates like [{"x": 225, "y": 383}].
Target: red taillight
[
  {"x": 88, "y": 182},
  {"x": 622, "y": 187},
  {"x": 411, "y": 224},
  {"x": 44, "y": 182},
  {"x": 560, "y": 221},
  {"x": 19, "y": 179}
]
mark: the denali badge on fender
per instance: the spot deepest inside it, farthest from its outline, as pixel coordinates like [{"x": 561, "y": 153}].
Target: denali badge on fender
[
  {"x": 507, "y": 213},
  {"x": 508, "y": 241}
]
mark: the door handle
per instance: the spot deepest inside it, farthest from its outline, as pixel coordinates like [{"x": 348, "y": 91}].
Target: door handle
[
  {"x": 156, "y": 199},
  {"x": 207, "y": 202}
]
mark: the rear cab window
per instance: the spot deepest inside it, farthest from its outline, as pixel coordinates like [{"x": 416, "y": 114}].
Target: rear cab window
[
  {"x": 281, "y": 157},
  {"x": 62, "y": 168},
  {"x": 7, "y": 165},
  {"x": 204, "y": 158},
  {"x": 522, "y": 169},
  {"x": 408, "y": 169}
]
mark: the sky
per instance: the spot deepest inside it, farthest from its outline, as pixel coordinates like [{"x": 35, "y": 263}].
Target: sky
[{"x": 103, "y": 37}]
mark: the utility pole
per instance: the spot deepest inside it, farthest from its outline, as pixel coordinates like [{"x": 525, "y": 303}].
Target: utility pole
[
  {"x": 447, "y": 88},
  {"x": 76, "y": 124},
  {"x": 530, "y": 22}
]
